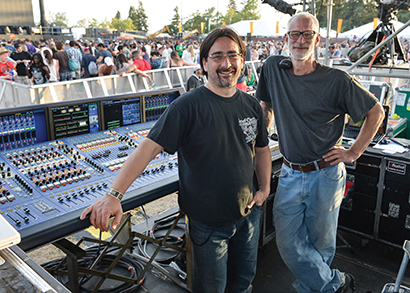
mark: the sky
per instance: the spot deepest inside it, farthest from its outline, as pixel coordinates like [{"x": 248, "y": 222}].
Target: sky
[{"x": 159, "y": 12}]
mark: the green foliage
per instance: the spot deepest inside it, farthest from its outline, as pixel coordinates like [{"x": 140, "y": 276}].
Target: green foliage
[
  {"x": 173, "y": 26},
  {"x": 60, "y": 19},
  {"x": 194, "y": 22},
  {"x": 93, "y": 23},
  {"x": 140, "y": 20},
  {"x": 250, "y": 10},
  {"x": 122, "y": 24},
  {"x": 118, "y": 15},
  {"x": 353, "y": 12}
]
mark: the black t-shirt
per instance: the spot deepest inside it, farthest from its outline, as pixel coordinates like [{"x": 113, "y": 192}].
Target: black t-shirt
[
  {"x": 21, "y": 67},
  {"x": 215, "y": 138},
  {"x": 39, "y": 74}
]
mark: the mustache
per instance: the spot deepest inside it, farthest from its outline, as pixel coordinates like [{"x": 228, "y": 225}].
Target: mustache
[{"x": 230, "y": 69}]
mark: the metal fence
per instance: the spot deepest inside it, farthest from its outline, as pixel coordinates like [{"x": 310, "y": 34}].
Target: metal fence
[{"x": 13, "y": 94}]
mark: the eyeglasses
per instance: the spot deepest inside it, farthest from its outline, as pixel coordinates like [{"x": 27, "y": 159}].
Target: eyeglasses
[
  {"x": 331, "y": 47},
  {"x": 218, "y": 57},
  {"x": 307, "y": 35}
]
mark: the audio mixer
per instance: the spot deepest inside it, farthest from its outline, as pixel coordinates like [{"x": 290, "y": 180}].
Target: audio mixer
[{"x": 44, "y": 187}]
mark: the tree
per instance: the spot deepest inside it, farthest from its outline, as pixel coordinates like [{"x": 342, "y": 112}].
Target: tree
[
  {"x": 118, "y": 15},
  {"x": 250, "y": 10},
  {"x": 173, "y": 26},
  {"x": 141, "y": 21},
  {"x": 93, "y": 23},
  {"x": 194, "y": 21},
  {"x": 122, "y": 24},
  {"x": 133, "y": 15},
  {"x": 60, "y": 19},
  {"x": 232, "y": 13},
  {"x": 353, "y": 12},
  {"x": 85, "y": 22}
]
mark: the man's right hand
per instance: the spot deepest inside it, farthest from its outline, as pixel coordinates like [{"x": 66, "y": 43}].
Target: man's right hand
[{"x": 102, "y": 210}]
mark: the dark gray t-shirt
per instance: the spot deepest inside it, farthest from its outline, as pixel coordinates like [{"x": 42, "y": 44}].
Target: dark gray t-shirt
[
  {"x": 215, "y": 138},
  {"x": 310, "y": 109}
]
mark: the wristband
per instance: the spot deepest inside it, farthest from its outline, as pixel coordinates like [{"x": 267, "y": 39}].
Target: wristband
[{"x": 115, "y": 193}]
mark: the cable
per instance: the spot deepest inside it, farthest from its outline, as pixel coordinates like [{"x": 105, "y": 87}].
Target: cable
[
  {"x": 155, "y": 232},
  {"x": 126, "y": 263}
]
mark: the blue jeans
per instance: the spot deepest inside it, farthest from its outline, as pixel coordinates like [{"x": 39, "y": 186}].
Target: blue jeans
[
  {"x": 306, "y": 210},
  {"x": 225, "y": 258},
  {"x": 66, "y": 75}
]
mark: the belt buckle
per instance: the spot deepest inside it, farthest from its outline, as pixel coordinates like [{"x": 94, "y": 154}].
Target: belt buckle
[{"x": 301, "y": 166}]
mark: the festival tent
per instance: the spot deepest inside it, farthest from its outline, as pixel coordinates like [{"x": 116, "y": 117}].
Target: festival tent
[
  {"x": 367, "y": 28},
  {"x": 260, "y": 28},
  {"x": 323, "y": 33}
]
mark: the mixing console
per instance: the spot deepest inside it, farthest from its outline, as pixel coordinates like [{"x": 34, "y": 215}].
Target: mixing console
[{"x": 46, "y": 186}]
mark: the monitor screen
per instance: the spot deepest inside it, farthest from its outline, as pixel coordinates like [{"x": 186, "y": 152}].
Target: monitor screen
[
  {"x": 22, "y": 128},
  {"x": 155, "y": 105},
  {"x": 76, "y": 119},
  {"x": 121, "y": 112}
]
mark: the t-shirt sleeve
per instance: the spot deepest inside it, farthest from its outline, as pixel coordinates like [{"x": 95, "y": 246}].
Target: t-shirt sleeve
[
  {"x": 358, "y": 100},
  {"x": 262, "y": 93}
]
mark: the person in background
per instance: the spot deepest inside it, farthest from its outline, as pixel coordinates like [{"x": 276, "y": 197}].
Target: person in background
[
  {"x": 103, "y": 52},
  {"x": 195, "y": 80},
  {"x": 179, "y": 48},
  {"x": 106, "y": 67},
  {"x": 75, "y": 53},
  {"x": 176, "y": 61},
  {"x": 310, "y": 102},
  {"x": 157, "y": 62},
  {"x": 334, "y": 52},
  {"x": 189, "y": 55},
  {"x": 7, "y": 68},
  {"x": 87, "y": 59},
  {"x": 37, "y": 70},
  {"x": 22, "y": 58},
  {"x": 52, "y": 66},
  {"x": 62, "y": 57},
  {"x": 123, "y": 65},
  {"x": 139, "y": 62},
  {"x": 250, "y": 80},
  {"x": 223, "y": 217},
  {"x": 145, "y": 54}
]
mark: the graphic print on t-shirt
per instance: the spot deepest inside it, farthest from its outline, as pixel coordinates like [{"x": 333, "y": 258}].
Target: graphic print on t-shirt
[{"x": 249, "y": 126}]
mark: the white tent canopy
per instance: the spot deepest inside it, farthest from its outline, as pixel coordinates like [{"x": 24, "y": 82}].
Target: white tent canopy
[
  {"x": 367, "y": 28},
  {"x": 260, "y": 28}
]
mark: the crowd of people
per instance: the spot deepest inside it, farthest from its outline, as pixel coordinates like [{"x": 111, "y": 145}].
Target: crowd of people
[{"x": 69, "y": 60}]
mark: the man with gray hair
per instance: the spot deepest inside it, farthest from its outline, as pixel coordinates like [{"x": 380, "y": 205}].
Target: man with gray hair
[{"x": 310, "y": 101}]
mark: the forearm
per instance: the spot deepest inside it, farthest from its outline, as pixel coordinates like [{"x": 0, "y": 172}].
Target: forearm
[
  {"x": 370, "y": 126},
  {"x": 263, "y": 168},
  {"x": 267, "y": 113},
  {"x": 135, "y": 164}
]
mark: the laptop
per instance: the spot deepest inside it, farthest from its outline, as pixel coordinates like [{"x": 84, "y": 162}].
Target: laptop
[
  {"x": 8, "y": 235},
  {"x": 352, "y": 129}
]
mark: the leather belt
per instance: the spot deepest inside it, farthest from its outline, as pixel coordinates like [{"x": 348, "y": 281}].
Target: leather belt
[{"x": 307, "y": 167}]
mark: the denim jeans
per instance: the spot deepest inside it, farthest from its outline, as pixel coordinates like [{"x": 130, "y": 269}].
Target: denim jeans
[
  {"x": 225, "y": 258},
  {"x": 306, "y": 211},
  {"x": 66, "y": 75}
]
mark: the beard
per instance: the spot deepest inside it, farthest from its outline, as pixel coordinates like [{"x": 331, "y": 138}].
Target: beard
[
  {"x": 228, "y": 82},
  {"x": 299, "y": 55}
]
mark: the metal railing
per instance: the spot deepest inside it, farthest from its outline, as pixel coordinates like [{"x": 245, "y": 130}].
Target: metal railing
[{"x": 13, "y": 94}]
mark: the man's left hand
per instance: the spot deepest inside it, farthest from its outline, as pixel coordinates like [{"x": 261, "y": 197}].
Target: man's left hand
[
  {"x": 338, "y": 154},
  {"x": 258, "y": 199}
]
